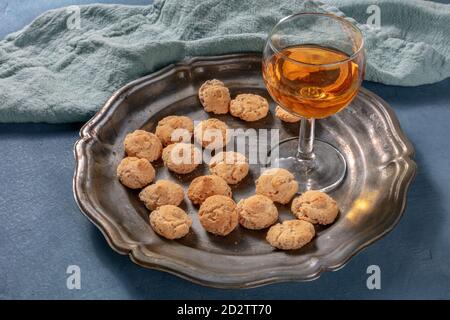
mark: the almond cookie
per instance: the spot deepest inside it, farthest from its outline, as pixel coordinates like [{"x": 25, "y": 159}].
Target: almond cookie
[
  {"x": 291, "y": 234},
  {"x": 143, "y": 144},
  {"x": 214, "y": 97},
  {"x": 211, "y": 134},
  {"x": 315, "y": 207},
  {"x": 285, "y": 116},
  {"x": 170, "y": 222},
  {"x": 230, "y": 166},
  {"x": 181, "y": 157},
  {"x": 277, "y": 184},
  {"x": 218, "y": 215},
  {"x": 161, "y": 193},
  {"x": 135, "y": 173},
  {"x": 206, "y": 186},
  {"x": 257, "y": 212},
  {"x": 249, "y": 107},
  {"x": 174, "y": 129}
]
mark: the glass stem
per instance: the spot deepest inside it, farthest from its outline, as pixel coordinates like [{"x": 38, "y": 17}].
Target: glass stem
[{"x": 306, "y": 139}]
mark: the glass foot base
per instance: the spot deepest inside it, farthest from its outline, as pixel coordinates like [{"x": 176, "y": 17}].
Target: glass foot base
[{"x": 324, "y": 172}]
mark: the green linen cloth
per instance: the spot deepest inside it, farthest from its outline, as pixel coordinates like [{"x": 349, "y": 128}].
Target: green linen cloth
[{"x": 50, "y": 72}]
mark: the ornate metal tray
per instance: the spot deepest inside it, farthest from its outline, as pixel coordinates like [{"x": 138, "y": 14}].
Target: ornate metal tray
[{"x": 372, "y": 197}]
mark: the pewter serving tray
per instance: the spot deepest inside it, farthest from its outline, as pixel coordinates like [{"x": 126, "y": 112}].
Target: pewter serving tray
[{"x": 372, "y": 197}]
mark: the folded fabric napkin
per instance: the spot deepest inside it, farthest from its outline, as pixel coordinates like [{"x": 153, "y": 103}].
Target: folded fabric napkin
[{"x": 60, "y": 69}]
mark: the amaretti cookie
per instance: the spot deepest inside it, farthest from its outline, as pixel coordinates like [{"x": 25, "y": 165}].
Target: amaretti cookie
[
  {"x": 170, "y": 222},
  {"x": 160, "y": 193},
  {"x": 291, "y": 234},
  {"x": 257, "y": 212},
  {"x": 174, "y": 129},
  {"x": 204, "y": 187},
  {"x": 214, "y": 97},
  {"x": 315, "y": 207},
  {"x": 211, "y": 133},
  {"x": 230, "y": 166},
  {"x": 249, "y": 107},
  {"x": 143, "y": 144},
  {"x": 181, "y": 157},
  {"x": 277, "y": 184},
  {"x": 285, "y": 116},
  {"x": 135, "y": 173},
  {"x": 218, "y": 215}
]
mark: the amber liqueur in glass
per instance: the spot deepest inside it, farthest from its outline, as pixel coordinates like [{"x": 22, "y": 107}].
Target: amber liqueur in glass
[{"x": 311, "y": 81}]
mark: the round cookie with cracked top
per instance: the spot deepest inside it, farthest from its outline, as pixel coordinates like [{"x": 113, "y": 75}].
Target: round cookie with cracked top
[
  {"x": 181, "y": 158},
  {"x": 162, "y": 192},
  {"x": 230, "y": 166},
  {"x": 291, "y": 234},
  {"x": 285, "y": 116},
  {"x": 249, "y": 107},
  {"x": 143, "y": 144},
  {"x": 173, "y": 129},
  {"x": 257, "y": 212},
  {"x": 170, "y": 222},
  {"x": 316, "y": 207},
  {"x": 277, "y": 184},
  {"x": 218, "y": 215},
  {"x": 211, "y": 133},
  {"x": 204, "y": 187},
  {"x": 214, "y": 97},
  {"x": 135, "y": 173}
]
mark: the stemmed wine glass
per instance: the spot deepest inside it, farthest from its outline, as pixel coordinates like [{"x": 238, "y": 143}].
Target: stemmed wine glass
[{"x": 313, "y": 66}]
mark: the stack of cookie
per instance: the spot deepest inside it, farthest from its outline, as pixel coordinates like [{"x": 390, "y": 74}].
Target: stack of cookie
[{"x": 218, "y": 213}]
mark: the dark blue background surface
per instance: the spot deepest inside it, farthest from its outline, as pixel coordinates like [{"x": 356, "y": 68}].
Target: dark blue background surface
[{"x": 42, "y": 231}]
